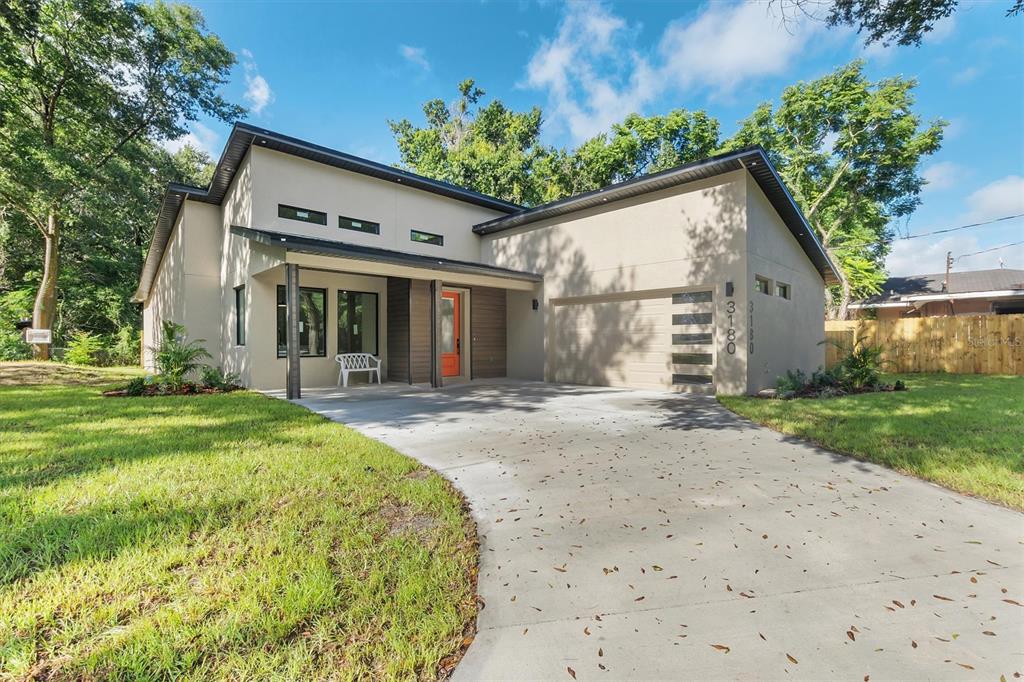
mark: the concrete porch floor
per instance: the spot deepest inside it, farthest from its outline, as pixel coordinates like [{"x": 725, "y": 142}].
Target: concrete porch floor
[{"x": 639, "y": 535}]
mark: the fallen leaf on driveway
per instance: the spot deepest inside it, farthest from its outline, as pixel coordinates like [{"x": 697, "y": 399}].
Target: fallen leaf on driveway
[
  {"x": 721, "y": 647},
  {"x": 572, "y": 673},
  {"x": 939, "y": 596},
  {"x": 791, "y": 659}
]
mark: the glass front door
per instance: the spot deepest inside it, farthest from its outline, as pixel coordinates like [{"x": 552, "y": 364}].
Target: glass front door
[{"x": 451, "y": 333}]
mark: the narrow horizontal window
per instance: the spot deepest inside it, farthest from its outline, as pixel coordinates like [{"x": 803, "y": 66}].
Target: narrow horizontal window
[
  {"x": 426, "y": 237},
  {"x": 367, "y": 226},
  {"x": 691, "y": 379},
  {"x": 691, "y": 358},
  {"x": 302, "y": 214},
  {"x": 782, "y": 290},
  {"x": 691, "y": 318},
  {"x": 695, "y": 339},
  {"x": 762, "y": 285},
  {"x": 692, "y": 297}
]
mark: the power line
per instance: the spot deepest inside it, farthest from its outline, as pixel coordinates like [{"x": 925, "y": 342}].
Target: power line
[
  {"x": 963, "y": 227},
  {"x": 994, "y": 248}
]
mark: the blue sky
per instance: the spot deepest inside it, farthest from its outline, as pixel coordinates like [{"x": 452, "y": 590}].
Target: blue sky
[{"x": 334, "y": 73}]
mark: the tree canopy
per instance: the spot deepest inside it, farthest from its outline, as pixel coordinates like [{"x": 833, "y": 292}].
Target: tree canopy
[
  {"x": 88, "y": 87},
  {"x": 848, "y": 148}
]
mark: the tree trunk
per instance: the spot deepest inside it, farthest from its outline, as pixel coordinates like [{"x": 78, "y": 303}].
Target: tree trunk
[
  {"x": 45, "y": 309},
  {"x": 841, "y": 311}
]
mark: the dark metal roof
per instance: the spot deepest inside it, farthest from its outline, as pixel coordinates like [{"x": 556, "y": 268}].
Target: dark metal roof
[
  {"x": 327, "y": 247},
  {"x": 244, "y": 135},
  {"x": 753, "y": 159},
  {"x": 170, "y": 206},
  {"x": 973, "y": 281}
]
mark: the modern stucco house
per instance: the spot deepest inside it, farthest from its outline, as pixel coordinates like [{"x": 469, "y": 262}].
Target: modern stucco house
[
  {"x": 974, "y": 292},
  {"x": 704, "y": 277}
]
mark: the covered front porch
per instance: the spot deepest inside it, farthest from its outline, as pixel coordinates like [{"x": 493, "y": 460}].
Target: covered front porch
[{"x": 432, "y": 321}]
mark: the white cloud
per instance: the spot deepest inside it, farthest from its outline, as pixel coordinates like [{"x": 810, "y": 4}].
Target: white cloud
[
  {"x": 941, "y": 29},
  {"x": 942, "y": 175},
  {"x": 911, "y": 257},
  {"x": 966, "y": 75},
  {"x": 997, "y": 199},
  {"x": 415, "y": 55},
  {"x": 595, "y": 75},
  {"x": 201, "y": 137},
  {"x": 257, "y": 90}
]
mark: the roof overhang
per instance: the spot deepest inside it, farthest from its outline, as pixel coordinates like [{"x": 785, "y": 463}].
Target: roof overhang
[
  {"x": 908, "y": 301},
  {"x": 174, "y": 198},
  {"x": 752, "y": 159},
  {"x": 356, "y": 252}
]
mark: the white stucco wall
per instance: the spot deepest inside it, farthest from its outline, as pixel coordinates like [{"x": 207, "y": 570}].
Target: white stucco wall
[
  {"x": 280, "y": 178},
  {"x": 787, "y": 334}
]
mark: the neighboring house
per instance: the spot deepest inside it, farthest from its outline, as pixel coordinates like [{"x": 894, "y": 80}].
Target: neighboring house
[
  {"x": 978, "y": 292},
  {"x": 704, "y": 277}
]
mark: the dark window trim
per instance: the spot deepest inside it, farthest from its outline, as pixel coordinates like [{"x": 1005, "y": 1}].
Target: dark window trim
[
  {"x": 239, "y": 322},
  {"x": 698, "y": 379},
  {"x": 321, "y": 216},
  {"x": 789, "y": 290},
  {"x": 435, "y": 239},
  {"x": 326, "y": 321},
  {"x": 768, "y": 284},
  {"x": 698, "y": 339},
  {"x": 376, "y": 335},
  {"x": 691, "y": 318},
  {"x": 691, "y": 297},
  {"x": 691, "y": 358},
  {"x": 374, "y": 227}
]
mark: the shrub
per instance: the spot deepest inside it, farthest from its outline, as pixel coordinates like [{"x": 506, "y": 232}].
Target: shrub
[
  {"x": 793, "y": 381},
  {"x": 83, "y": 349},
  {"x": 862, "y": 368},
  {"x": 123, "y": 347},
  {"x": 176, "y": 357},
  {"x": 136, "y": 386},
  {"x": 212, "y": 377},
  {"x": 13, "y": 348}
]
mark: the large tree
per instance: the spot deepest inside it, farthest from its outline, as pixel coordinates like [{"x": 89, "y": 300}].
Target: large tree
[
  {"x": 491, "y": 148},
  {"x": 904, "y": 22},
  {"x": 849, "y": 150},
  {"x": 637, "y": 146},
  {"x": 85, "y": 84}
]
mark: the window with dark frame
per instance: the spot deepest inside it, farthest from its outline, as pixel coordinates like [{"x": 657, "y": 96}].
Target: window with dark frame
[
  {"x": 364, "y": 226},
  {"x": 782, "y": 290},
  {"x": 312, "y": 322},
  {"x": 240, "y": 315},
  {"x": 762, "y": 285},
  {"x": 304, "y": 215},
  {"x": 426, "y": 237},
  {"x": 357, "y": 322}
]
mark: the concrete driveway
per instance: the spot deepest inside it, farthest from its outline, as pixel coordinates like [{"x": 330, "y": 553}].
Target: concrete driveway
[{"x": 639, "y": 535}]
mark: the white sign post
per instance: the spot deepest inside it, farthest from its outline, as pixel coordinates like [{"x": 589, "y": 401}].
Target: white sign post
[{"x": 39, "y": 336}]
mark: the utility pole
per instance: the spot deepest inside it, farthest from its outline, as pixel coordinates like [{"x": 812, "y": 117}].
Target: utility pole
[{"x": 949, "y": 266}]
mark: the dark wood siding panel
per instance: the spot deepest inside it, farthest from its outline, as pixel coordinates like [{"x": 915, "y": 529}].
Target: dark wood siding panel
[
  {"x": 398, "y": 329},
  {"x": 488, "y": 330},
  {"x": 419, "y": 328}
]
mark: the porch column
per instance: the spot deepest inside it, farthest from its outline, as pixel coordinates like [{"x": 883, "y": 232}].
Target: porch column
[
  {"x": 435, "y": 333},
  {"x": 292, "y": 381}
]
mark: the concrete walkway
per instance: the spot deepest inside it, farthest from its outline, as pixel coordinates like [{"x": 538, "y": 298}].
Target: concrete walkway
[{"x": 637, "y": 535}]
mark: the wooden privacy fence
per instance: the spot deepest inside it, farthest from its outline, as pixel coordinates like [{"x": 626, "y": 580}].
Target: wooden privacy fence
[{"x": 985, "y": 344}]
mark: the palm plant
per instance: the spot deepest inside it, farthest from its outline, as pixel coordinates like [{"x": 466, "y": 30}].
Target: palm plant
[{"x": 176, "y": 356}]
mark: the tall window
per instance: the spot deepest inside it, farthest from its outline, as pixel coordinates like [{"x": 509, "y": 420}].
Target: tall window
[
  {"x": 240, "y": 315},
  {"x": 357, "y": 322},
  {"x": 302, "y": 214},
  {"x": 312, "y": 322}
]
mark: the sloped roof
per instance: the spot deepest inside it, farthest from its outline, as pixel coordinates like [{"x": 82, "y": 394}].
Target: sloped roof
[
  {"x": 973, "y": 281},
  {"x": 752, "y": 159}
]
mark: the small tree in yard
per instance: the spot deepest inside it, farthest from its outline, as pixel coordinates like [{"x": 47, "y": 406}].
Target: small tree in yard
[{"x": 176, "y": 356}]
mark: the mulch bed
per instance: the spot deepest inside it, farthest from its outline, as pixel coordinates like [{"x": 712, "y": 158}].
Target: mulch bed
[{"x": 158, "y": 390}]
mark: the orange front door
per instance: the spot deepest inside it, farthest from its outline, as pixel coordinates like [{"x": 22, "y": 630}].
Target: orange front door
[{"x": 451, "y": 333}]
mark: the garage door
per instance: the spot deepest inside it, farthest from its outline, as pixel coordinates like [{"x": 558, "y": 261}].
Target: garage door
[{"x": 656, "y": 340}]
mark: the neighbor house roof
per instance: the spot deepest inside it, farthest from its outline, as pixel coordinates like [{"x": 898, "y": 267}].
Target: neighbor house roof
[
  {"x": 753, "y": 159},
  {"x": 972, "y": 284},
  {"x": 328, "y": 247}
]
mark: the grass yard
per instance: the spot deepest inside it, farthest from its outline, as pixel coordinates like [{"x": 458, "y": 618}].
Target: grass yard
[
  {"x": 965, "y": 432},
  {"x": 217, "y": 536}
]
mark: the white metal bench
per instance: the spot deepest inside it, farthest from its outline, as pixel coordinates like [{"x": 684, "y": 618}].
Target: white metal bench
[{"x": 356, "y": 362}]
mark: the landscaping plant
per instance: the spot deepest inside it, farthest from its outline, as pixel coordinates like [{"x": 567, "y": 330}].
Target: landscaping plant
[
  {"x": 83, "y": 349},
  {"x": 176, "y": 357}
]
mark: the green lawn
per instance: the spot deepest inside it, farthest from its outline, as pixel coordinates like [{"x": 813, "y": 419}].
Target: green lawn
[
  {"x": 218, "y": 536},
  {"x": 965, "y": 432}
]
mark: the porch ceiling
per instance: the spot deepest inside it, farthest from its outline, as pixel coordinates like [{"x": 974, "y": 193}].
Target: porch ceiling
[{"x": 342, "y": 256}]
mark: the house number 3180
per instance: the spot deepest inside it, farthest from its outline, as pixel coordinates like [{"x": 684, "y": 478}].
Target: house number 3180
[{"x": 730, "y": 333}]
